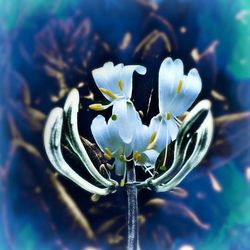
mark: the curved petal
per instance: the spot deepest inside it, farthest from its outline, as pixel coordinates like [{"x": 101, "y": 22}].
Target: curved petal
[
  {"x": 172, "y": 128},
  {"x": 100, "y": 132},
  {"x": 126, "y": 77},
  {"x": 119, "y": 167},
  {"x": 126, "y": 119},
  {"x": 116, "y": 79},
  {"x": 162, "y": 138},
  {"x": 169, "y": 74},
  {"x": 150, "y": 157},
  {"x": 191, "y": 88},
  {"x": 115, "y": 140},
  {"x": 141, "y": 137}
]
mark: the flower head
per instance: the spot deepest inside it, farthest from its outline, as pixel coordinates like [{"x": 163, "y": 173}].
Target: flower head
[
  {"x": 115, "y": 82},
  {"x": 177, "y": 92},
  {"x": 115, "y": 138},
  {"x": 125, "y": 133}
]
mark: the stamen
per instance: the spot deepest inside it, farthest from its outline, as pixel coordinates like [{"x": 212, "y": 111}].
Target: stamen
[
  {"x": 152, "y": 141},
  {"x": 179, "y": 87},
  {"x": 120, "y": 85},
  {"x": 122, "y": 183},
  {"x": 137, "y": 156},
  {"x": 108, "y": 92},
  {"x": 168, "y": 116},
  {"x": 108, "y": 154},
  {"x": 151, "y": 145},
  {"x": 152, "y": 138},
  {"x": 96, "y": 107}
]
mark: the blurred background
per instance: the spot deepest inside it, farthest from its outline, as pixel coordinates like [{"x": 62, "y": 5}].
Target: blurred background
[{"x": 48, "y": 47}]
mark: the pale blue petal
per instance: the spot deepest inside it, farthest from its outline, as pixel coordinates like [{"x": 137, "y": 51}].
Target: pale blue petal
[
  {"x": 108, "y": 77},
  {"x": 167, "y": 75},
  {"x": 172, "y": 128},
  {"x": 100, "y": 132},
  {"x": 150, "y": 157},
  {"x": 141, "y": 137},
  {"x": 126, "y": 119},
  {"x": 127, "y": 77},
  {"x": 162, "y": 138},
  {"x": 119, "y": 167},
  {"x": 190, "y": 90}
]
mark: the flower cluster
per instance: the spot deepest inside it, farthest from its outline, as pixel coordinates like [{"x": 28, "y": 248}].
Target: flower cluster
[{"x": 124, "y": 137}]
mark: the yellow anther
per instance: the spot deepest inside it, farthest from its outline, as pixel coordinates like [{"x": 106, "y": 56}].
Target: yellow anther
[
  {"x": 152, "y": 138},
  {"x": 151, "y": 145},
  {"x": 108, "y": 92},
  {"x": 122, "y": 183},
  {"x": 168, "y": 116},
  {"x": 137, "y": 156},
  {"x": 96, "y": 106},
  {"x": 108, "y": 154},
  {"x": 120, "y": 85},
  {"x": 179, "y": 87},
  {"x": 152, "y": 141}
]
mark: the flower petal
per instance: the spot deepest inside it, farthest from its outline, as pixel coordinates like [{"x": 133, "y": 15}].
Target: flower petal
[
  {"x": 126, "y": 77},
  {"x": 116, "y": 79},
  {"x": 162, "y": 138},
  {"x": 106, "y": 77},
  {"x": 191, "y": 88},
  {"x": 172, "y": 128},
  {"x": 150, "y": 157},
  {"x": 100, "y": 132},
  {"x": 141, "y": 137},
  {"x": 119, "y": 167},
  {"x": 126, "y": 119},
  {"x": 168, "y": 74}
]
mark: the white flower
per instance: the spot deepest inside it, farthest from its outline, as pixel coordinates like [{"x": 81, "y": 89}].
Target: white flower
[
  {"x": 125, "y": 133},
  {"x": 115, "y": 138},
  {"x": 115, "y": 82},
  {"x": 144, "y": 136},
  {"x": 177, "y": 92}
]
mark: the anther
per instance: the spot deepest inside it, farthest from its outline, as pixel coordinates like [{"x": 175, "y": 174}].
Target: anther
[
  {"x": 108, "y": 92},
  {"x": 179, "y": 87},
  {"x": 96, "y": 107},
  {"x": 120, "y": 85},
  {"x": 122, "y": 183},
  {"x": 152, "y": 141},
  {"x": 108, "y": 154},
  {"x": 137, "y": 156},
  {"x": 168, "y": 116}
]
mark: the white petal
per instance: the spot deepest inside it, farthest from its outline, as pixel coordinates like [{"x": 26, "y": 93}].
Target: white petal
[
  {"x": 152, "y": 156},
  {"x": 115, "y": 141},
  {"x": 172, "y": 128},
  {"x": 179, "y": 68},
  {"x": 100, "y": 132},
  {"x": 191, "y": 88},
  {"x": 126, "y": 77},
  {"x": 155, "y": 123},
  {"x": 119, "y": 167},
  {"x": 109, "y": 76},
  {"x": 169, "y": 74},
  {"x": 141, "y": 137},
  {"x": 126, "y": 119},
  {"x": 162, "y": 138}
]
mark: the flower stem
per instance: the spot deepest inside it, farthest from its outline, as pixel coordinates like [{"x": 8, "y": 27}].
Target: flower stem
[{"x": 133, "y": 242}]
